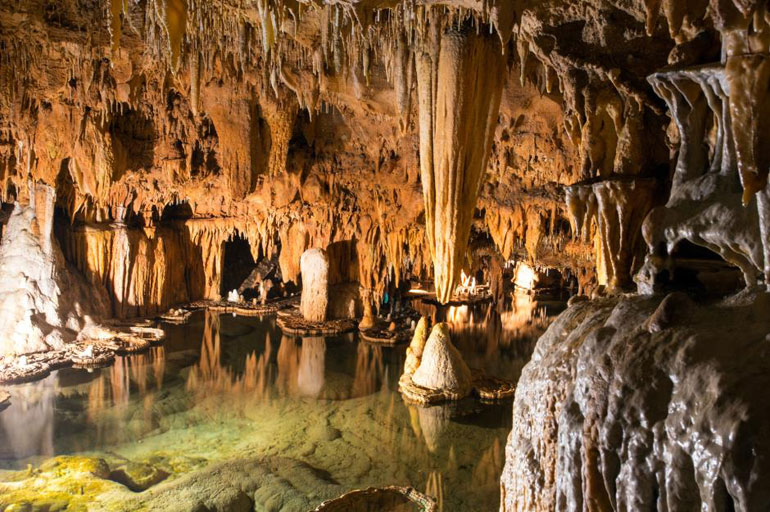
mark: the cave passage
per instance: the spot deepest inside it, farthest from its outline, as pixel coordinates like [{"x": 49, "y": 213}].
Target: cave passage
[
  {"x": 237, "y": 266},
  {"x": 453, "y": 255}
]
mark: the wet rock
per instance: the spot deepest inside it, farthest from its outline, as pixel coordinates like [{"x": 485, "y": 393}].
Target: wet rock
[
  {"x": 673, "y": 310},
  {"x": 384, "y": 499},
  {"x": 604, "y": 401},
  {"x": 137, "y": 476},
  {"x": 241, "y": 484},
  {"x": 323, "y": 432},
  {"x": 76, "y": 464},
  {"x": 575, "y": 299}
]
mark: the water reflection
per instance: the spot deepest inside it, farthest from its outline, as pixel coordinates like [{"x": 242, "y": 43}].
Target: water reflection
[
  {"x": 28, "y": 424},
  {"x": 310, "y": 376},
  {"x": 371, "y": 374},
  {"x": 211, "y": 377},
  {"x": 298, "y": 368},
  {"x": 223, "y": 385},
  {"x": 500, "y": 343}
]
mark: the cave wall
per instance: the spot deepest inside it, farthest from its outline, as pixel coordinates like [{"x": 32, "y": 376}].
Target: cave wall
[
  {"x": 302, "y": 138},
  {"x": 300, "y": 126}
]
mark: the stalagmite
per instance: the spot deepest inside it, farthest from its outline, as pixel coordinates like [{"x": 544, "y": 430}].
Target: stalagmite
[
  {"x": 416, "y": 347},
  {"x": 158, "y": 157},
  {"x": 459, "y": 76},
  {"x": 441, "y": 366},
  {"x": 42, "y": 304},
  {"x": 315, "y": 288}
]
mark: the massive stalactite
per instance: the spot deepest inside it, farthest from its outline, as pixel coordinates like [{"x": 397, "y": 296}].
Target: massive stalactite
[{"x": 459, "y": 76}]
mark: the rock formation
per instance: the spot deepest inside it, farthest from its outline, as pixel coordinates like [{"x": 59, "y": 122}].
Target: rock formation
[
  {"x": 43, "y": 305},
  {"x": 612, "y": 414},
  {"x": 459, "y": 79},
  {"x": 434, "y": 370},
  {"x": 416, "y": 347},
  {"x": 144, "y": 145},
  {"x": 442, "y": 368},
  {"x": 315, "y": 285}
]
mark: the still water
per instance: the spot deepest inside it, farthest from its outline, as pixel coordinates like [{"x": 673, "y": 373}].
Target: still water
[{"x": 225, "y": 388}]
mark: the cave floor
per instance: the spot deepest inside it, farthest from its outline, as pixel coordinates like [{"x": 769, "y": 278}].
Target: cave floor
[{"x": 230, "y": 411}]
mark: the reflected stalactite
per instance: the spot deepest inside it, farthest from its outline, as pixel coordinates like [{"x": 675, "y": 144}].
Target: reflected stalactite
[
  {"x": 288, "y": 366},
  {"x": 435, "y": 487},
  {"x": 210, "y": 377},
  {"x": 486, "y": 472},
  {"x": 109, "y": 401},
  {"x": 158, "y": 355},
  {"x": 120, "y": 382},
  {"x": 370, "y": 371}
]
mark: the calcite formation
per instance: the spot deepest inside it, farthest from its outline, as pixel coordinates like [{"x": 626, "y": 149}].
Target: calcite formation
[
  {"x": 435, "y": 370},
  {"x": 705, "y": 204},
  {"x": 459, "y": 78},
  {"x": 637, "y": 403},
  {"x": 416, "y": 347},
  {"x": 163, "y": 143},
  {"x": 441, "y": 365},
  {"x": 151, "y": 150},
  {"x": 44, "y": 306},
  {"x": 315, "y": 285}
]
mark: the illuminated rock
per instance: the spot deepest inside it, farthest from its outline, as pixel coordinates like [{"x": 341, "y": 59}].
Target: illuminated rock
[
  {"x": 705, "y": 204},
  {"x": 638, "y": 403},
  {"x": 442, "y": 367},
  {"x": 416, "y": 347},
  {"x": 315, "y": 285},
  {"x": 42, "y": 305},
  {"x": 611, "y": 211},
  {"x": 459, "y": 78}
]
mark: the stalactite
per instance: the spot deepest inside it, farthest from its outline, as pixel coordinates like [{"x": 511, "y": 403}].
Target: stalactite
[
  {"x": 749, "y": 81},
  {"x": 116, "y": 11},
  {"x": 459, "y": 88},
  {"x": 176, "y": 23},
  {"x": 611, "y": 212},
  {"x": 403, "y": 79}
]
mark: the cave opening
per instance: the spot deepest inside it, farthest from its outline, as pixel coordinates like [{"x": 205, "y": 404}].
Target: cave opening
[
  {"x": 133, "y": 141},
  {"x": 238, "y": 265},
  {"x": 702, "y": 271}
]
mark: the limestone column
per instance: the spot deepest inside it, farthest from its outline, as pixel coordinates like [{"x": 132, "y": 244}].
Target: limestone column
[{"x": 314, "y": 266}]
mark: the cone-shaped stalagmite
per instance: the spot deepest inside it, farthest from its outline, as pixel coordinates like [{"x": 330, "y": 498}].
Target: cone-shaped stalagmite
[{"x": 460, "y": 79}]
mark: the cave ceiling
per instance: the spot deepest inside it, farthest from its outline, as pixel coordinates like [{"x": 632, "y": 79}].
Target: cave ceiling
[{"x": 304, "y": 123}]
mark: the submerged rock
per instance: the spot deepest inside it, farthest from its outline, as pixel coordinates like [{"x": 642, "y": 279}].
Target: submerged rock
[
  {"x": 381, "y": 499},
  {"x": 137, "y": 476}
]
